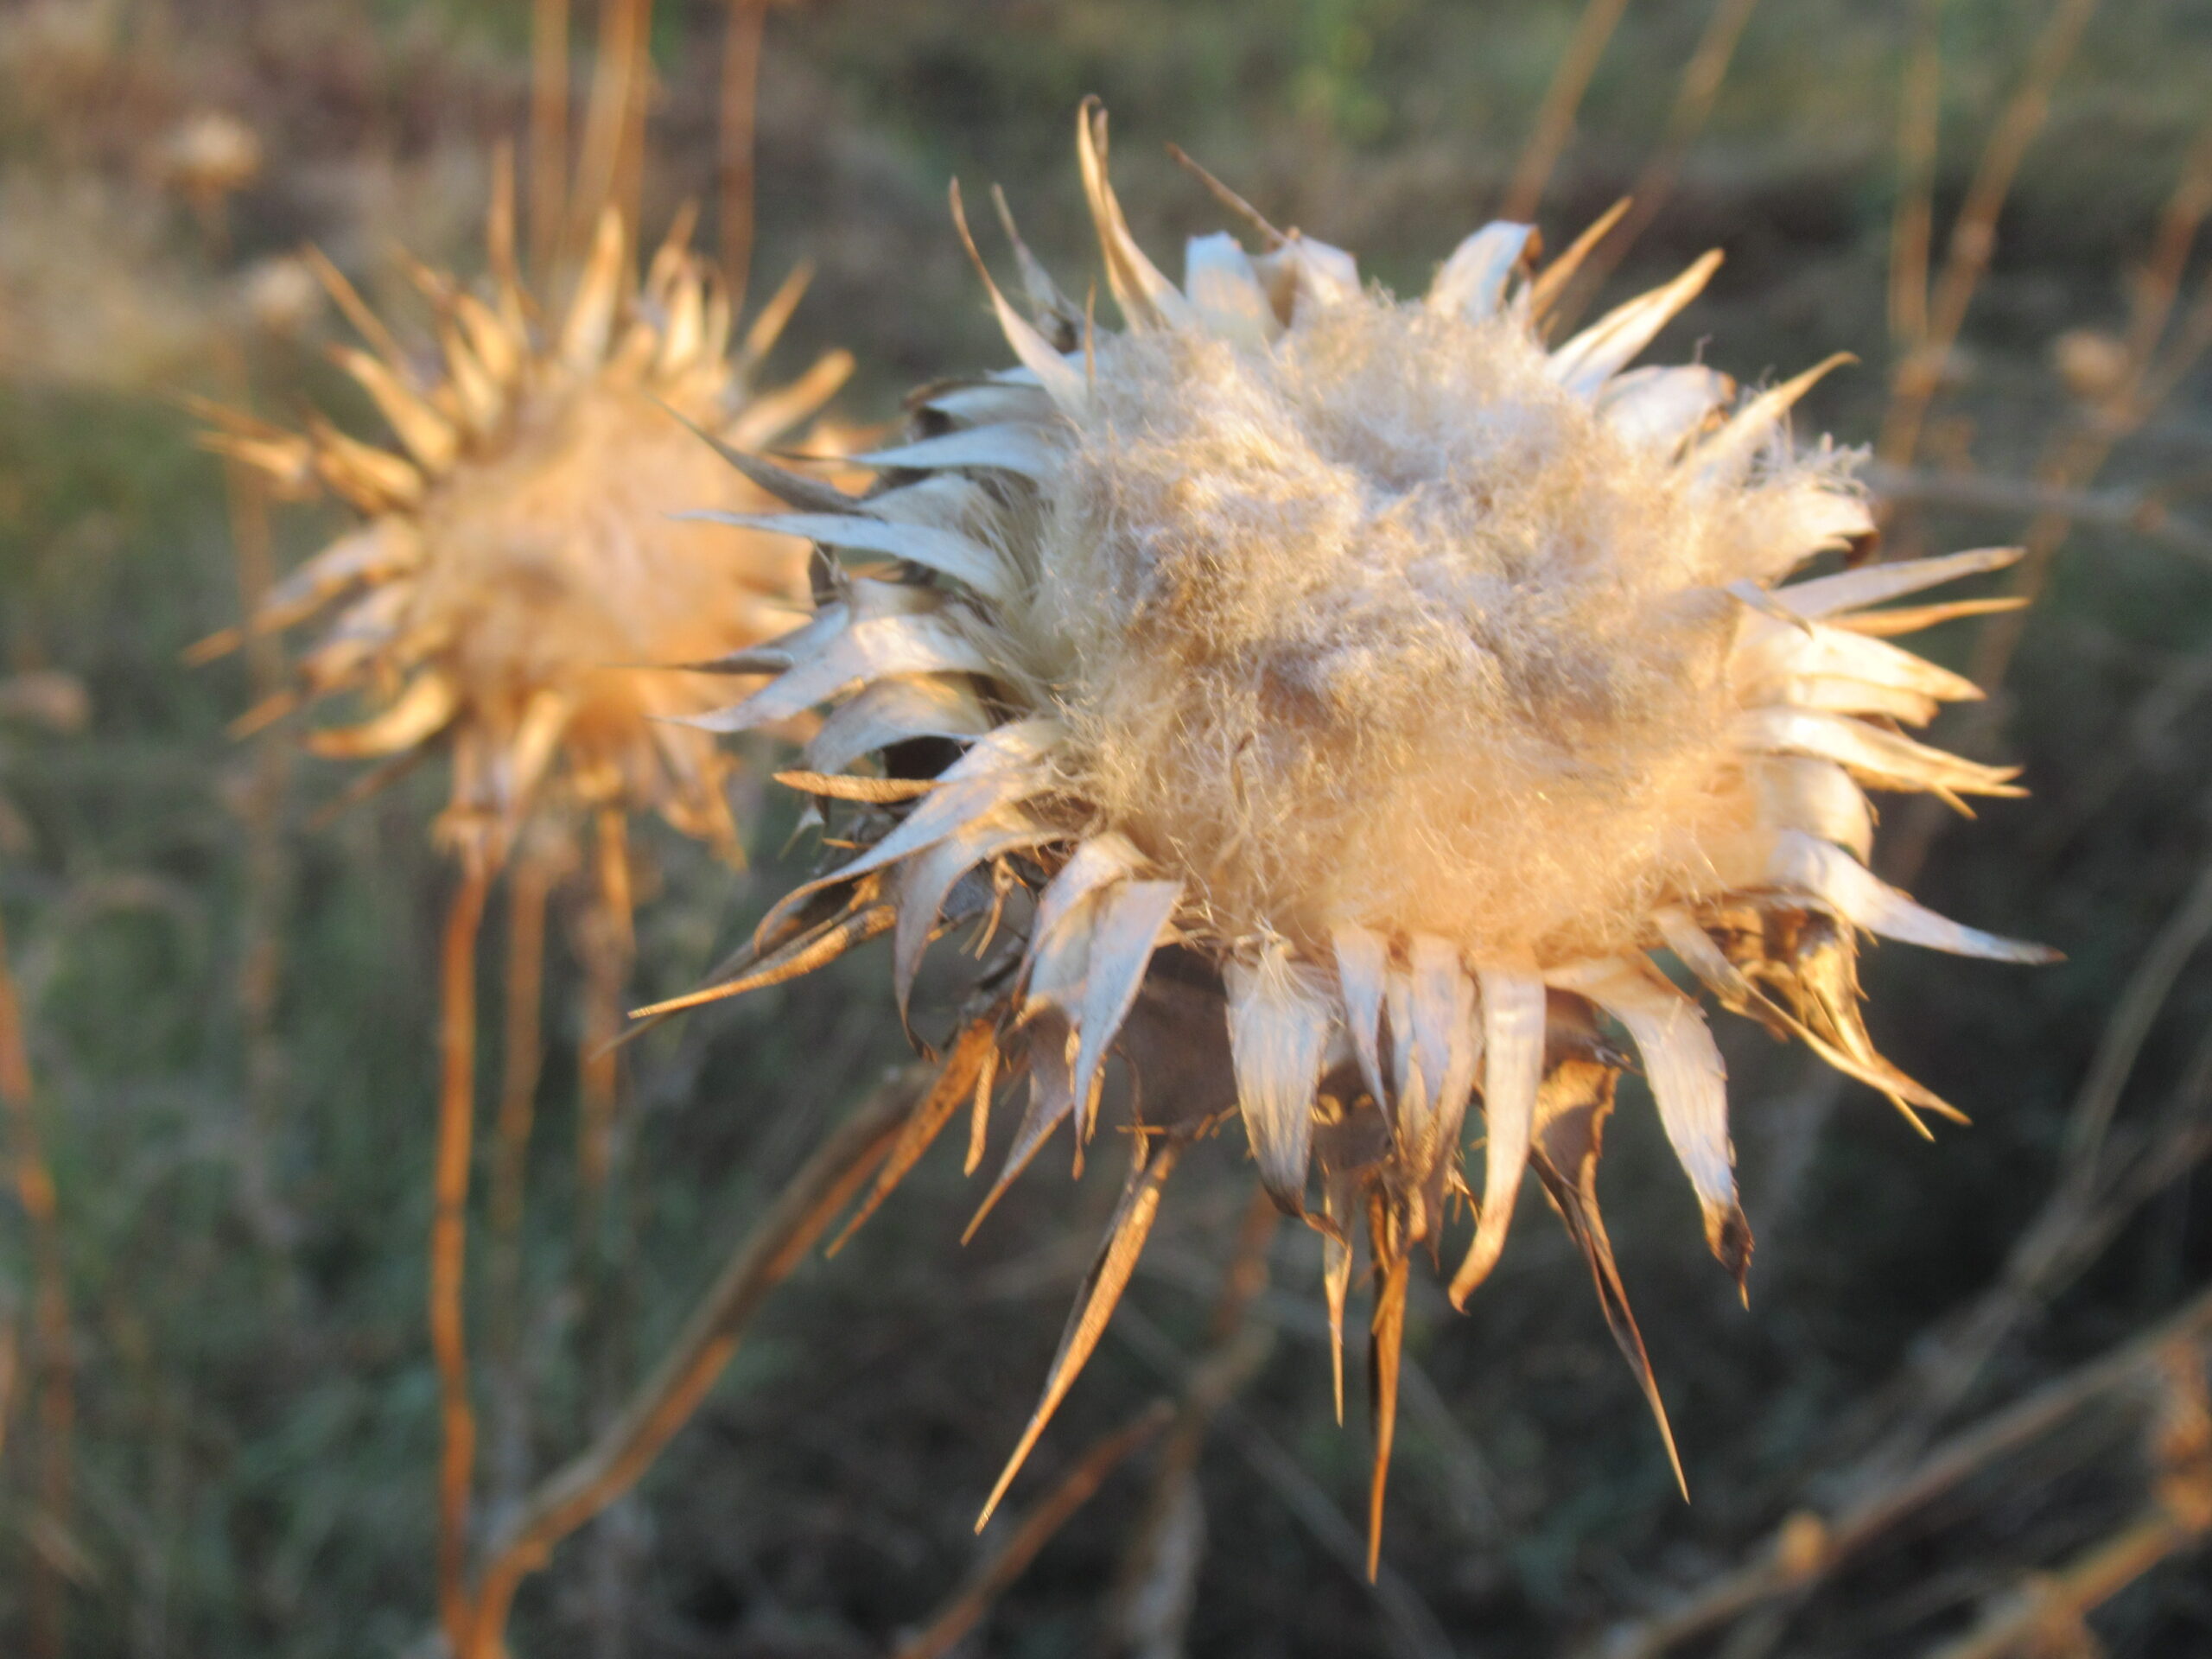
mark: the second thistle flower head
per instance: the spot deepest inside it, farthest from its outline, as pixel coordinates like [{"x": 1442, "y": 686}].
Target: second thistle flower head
[
  {"x": 529, "y": 554},
  {"x": 1417, "y": 681}
]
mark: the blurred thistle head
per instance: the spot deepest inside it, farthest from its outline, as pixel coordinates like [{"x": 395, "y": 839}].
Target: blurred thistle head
[
  {"x": 210, "y": 154},
  {"x": 1400, "y": 682},
  {"x": 531, "y": 554}
]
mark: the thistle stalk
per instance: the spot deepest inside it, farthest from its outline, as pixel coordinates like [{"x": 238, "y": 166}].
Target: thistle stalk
[
  {"x": 53, "y": 1364},
  {"x": 627, "y": 1446},
  {"x": 449, "y": 1242}
]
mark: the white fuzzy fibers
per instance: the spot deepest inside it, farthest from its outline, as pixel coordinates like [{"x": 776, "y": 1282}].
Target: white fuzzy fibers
[{"x": 1377, "y": 624}]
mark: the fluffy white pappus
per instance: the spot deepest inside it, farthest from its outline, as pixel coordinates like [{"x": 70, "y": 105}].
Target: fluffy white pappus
[{"x": 1377, "y": 623}]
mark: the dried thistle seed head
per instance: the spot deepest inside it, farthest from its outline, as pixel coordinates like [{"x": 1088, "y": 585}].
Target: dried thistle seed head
[
  {"x": 1384, "y": 626},
  {"x": 1417, "y": 683},
  {"x": 526, "y": 566}
]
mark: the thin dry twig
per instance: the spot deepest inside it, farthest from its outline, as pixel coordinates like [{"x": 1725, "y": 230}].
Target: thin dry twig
[
  {"x": 52, "y": 1361},
  {"x": 2054, "y": 1604},
  {"x": 630, "y": 156},
  {"x": 1554, "y": 123},
  {"x": 740, "y": 99},
  {"x": 607, "y": 946},
  {"x": 1912, "y": 230},
  {"x": 607, "y": 119},
  {"x": 1655, "y": 186},
  {"x": 1807, "y": 1546},
  {"x": 549, "y": 133},
  {"x": 2141, "y": 515},
  {"x": 449, "y": 1243},
  {"x": 246, "y": 496},
  {"x": 2076, "y": 457},
  {"x": 522, "y": 1059},
  {"x": 1409, "y": 1624},
  {"x": 997, "y": 1570},
  {"x": 1151, "y": 1602},
  {"x": 2094, "y": 1194},
  {"x": 665, "y": 1401},
  {"x": 2073, "y": 460},
  {"x": 1974, "y": 235}
]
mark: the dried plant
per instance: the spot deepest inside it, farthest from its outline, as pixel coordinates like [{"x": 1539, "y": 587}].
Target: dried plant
[
  {"x": 1407, "y": 680},
  {"x": 528, "y": 567},
  {"x": 523, "y": 554}
]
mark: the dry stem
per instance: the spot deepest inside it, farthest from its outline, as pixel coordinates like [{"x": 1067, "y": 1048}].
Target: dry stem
[
  {"x": 626, "y": 1448},
  {"x": 1410, "y": 1627},
  {"x": 449, "y": 1243},
  {"x": 2073, "y": 461},
  {"x": 997, "y": 1570},
  {"x": 521, "y": 1060},
  {"x": 549, "y": 133},
  {"x": 1554, "y": 122},
  {"x": 53, "y": 1366},
  {"x": 740, "y": 111},
  {"x": 1973, "y": 237},
  {"x": 607, "y": 113},
  {"x": 2141, "y": 515},
  {"x": 1693, "y": 99},
  {"x": 2055, "y": 1602},
  {"x": 1807, "y": 1547},
  {"x": 1152, "y": 1598},
  {"x": 1913, "y": 229}
]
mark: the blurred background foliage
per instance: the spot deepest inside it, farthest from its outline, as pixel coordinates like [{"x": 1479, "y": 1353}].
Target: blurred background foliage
[{"x": 230, "y": 1022}]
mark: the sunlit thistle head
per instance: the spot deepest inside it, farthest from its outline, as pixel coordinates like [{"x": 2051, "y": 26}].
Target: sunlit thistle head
[
  {"x": 1414, "y": 681},
  {"x": 530, "y": 553}
]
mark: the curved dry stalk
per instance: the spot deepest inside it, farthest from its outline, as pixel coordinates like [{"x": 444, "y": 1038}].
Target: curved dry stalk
[
  {"x": 1974, "y": 235},
  {"x": 1654, "y": 185},
  {"x": 626, "y": 1448},
  {"x": 52, "y": 1367},
  {"x": 741, "y": 93},
  {"x": 997, "y": 1572},
  {"x": 1554, "y": 122},
  {"x": 449, "y": 1243},
  {"x": 1807, "y": 1547}
]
